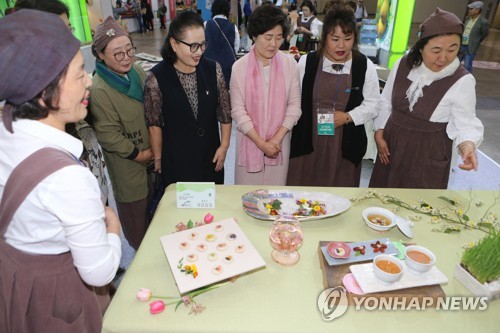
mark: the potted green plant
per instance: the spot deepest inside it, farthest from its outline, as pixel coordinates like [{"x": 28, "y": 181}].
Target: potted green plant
[{"x": 479, "y": 269}]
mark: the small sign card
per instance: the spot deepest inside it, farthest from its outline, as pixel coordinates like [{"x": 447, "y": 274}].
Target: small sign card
[
  {"x": 195, "y": 195},
  {"x": 208, "y": 254}
]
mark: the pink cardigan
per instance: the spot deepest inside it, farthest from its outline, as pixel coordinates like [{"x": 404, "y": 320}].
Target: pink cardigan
[{"x": 237, "y": 92}]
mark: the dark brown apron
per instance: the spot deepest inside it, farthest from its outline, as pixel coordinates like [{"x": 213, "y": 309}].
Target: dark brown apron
[
  {"x": 420, "y": 150},
  {"x": 41, "y": 293},
  {"x": 306, "y": 44}
]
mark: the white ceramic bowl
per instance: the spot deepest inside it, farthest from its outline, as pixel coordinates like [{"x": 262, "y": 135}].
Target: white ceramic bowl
[
  {"x": 384, "y": 213},
  {"x": 416, "y": 265},
  {"x": 384, "y": 276}
]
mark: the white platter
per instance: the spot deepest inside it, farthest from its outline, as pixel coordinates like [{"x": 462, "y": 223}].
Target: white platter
[
  {"x": 254, "y": 203},
  {"x": 367, "y": 281},
  {"x": 179, "y": 246}
]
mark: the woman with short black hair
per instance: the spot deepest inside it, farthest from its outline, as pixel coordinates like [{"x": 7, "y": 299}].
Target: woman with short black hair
[{"x": 265, "y": 99}]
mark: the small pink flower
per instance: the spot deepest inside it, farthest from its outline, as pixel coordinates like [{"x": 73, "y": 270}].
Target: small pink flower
[
  {"x": 196, "y": 309},
  {"x": 144, "y": 295},
  {"x": 187, "y": 300},
  {"x": 156, "y": 307},
  {"x": 208, "y": 218},
  {"x": 199, "y": 223},
  {"x": 181, "y": 226}
]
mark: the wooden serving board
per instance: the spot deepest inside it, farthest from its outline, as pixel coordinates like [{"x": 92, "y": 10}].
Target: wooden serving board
[{"x": 333, "y": 275}]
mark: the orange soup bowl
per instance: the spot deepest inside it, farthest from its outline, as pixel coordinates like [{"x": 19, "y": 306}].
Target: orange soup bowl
[
  {"x": 379, "y": 219},
  {"x": 388, "y": 269},
  {"x": 419, "y": 258}
]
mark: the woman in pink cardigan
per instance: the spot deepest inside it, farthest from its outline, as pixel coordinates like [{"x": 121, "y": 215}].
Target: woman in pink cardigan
[{"x": 265, "y": 101}]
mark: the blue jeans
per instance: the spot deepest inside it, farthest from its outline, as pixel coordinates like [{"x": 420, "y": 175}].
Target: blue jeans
[{"x": 467, "y": 57}]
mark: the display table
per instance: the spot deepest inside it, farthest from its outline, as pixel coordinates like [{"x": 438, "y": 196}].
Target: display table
[{"x": 279, "y": 299}]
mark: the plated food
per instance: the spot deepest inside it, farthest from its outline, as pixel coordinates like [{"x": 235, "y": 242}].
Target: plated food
[
  {"x": 381, "y": 219},
  {"x": 387, "y": 269},
  {"x": 419, "y": 258},
  {"x": 306, "y": 206}
]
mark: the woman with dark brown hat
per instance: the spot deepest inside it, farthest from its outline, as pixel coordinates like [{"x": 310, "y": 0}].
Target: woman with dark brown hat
[
  {"x": 428, "y": 107},
  {"x": 118, "y": 111},
  {"x": 57, "y": 239}
]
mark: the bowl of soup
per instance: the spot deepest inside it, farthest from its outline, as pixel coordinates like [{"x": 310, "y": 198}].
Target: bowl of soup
[
  {"x": 388, "y": 269},
  {"x": 419, "y": 258},
  {"x": 379, "y": 219}
]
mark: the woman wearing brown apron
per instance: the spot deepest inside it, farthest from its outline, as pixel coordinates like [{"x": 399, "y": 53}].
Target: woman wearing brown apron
[
  {"x": 340, "y": 93},
  {"x": 427, "y": 110},
  {"x": 307, "y": 27},
  {"x": 57, "y": 239}
]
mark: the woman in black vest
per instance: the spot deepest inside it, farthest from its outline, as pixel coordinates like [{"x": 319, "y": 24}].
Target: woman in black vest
[
  {"x": 340, "y": 93},
  {"x": 185, "y": 100}
]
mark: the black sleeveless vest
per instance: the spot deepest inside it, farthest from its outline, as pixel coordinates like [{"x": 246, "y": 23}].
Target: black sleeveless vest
[{"x": 189, "y": 144}]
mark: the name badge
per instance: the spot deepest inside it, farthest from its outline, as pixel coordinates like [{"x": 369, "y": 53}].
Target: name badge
[{"x": 326, "y": 125}]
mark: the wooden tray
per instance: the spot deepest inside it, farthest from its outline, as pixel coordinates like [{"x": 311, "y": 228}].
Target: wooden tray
[{"x": 333, "y": 275}]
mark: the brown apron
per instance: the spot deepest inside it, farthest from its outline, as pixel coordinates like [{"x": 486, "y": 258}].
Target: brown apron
[
  {"x": 330, "y": 168},
  {"x": 305, "y": 44},
  {"x": 41, "y": 293},
  {"x": 420, "y": 150}
]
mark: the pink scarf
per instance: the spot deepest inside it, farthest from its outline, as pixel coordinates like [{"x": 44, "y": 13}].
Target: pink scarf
[{"x": 265, "y": 123}]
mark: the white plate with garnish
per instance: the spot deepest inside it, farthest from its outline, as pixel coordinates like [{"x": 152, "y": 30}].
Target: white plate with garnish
[{"x": 266, "y": 204}]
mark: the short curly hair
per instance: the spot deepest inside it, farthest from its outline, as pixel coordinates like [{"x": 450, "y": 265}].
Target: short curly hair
[{"x": 265, "y": 18}]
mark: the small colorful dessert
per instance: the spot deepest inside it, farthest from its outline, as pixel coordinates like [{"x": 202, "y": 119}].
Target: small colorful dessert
[
  {"x": 231, "y": 237},
  {"x": 378, "y": 247},
  {"x": 228, "y": 259},
  {"x": 221, "y": 246},
  {"x": 212, "y": 256},
  {"x": 201, "y": 247},
  {"x": 184, "y": 246},
  {"x": 338, "y": 250},
  {"x": 240, "y": 248},
  {"x": 219, "y": 228},
  {"x": 193, "y": 235},
  {"x": 217, "y": 270},
  {"x": 192, "y": 257},
  {"x": 211, "y": 238},
  {"x": 360, "y": 250}
]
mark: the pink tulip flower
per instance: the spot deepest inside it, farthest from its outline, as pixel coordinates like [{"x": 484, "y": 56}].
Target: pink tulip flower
[
  {"x": 144, "y": 295},
  {"x": 208, "y": 218},
  {"x": 156, "y": 307}
]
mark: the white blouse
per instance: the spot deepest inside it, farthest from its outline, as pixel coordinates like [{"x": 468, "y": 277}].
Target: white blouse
[
  {"x": 64, "y": 212},
  {"x": 457, "y": 108},
  {"x": 367, "y": 110}
]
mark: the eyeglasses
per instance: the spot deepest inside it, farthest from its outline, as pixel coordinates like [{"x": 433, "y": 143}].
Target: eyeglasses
[
  {"x": 193, "y": 47},
  {"x": 119, "y": 56}
]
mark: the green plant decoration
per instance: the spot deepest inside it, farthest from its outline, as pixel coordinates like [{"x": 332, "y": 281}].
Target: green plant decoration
[{"x": 482, "y": 260}]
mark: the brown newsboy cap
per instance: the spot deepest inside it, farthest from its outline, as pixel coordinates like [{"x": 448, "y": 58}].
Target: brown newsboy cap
[
  {"x": 440, "y": 22},
  {"x": 35, "y": 47},
  {"x": 105, "y": 32}
]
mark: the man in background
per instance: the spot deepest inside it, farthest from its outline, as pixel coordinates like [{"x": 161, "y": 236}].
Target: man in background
[{"x": 475, "y": 31}]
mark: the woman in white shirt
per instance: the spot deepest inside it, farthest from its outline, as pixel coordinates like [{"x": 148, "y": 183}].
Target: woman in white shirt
[
  {"x": 427, "y": 104},
  {"x": 59, "y": 239},
  {"x": 307, "y": 27}
]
